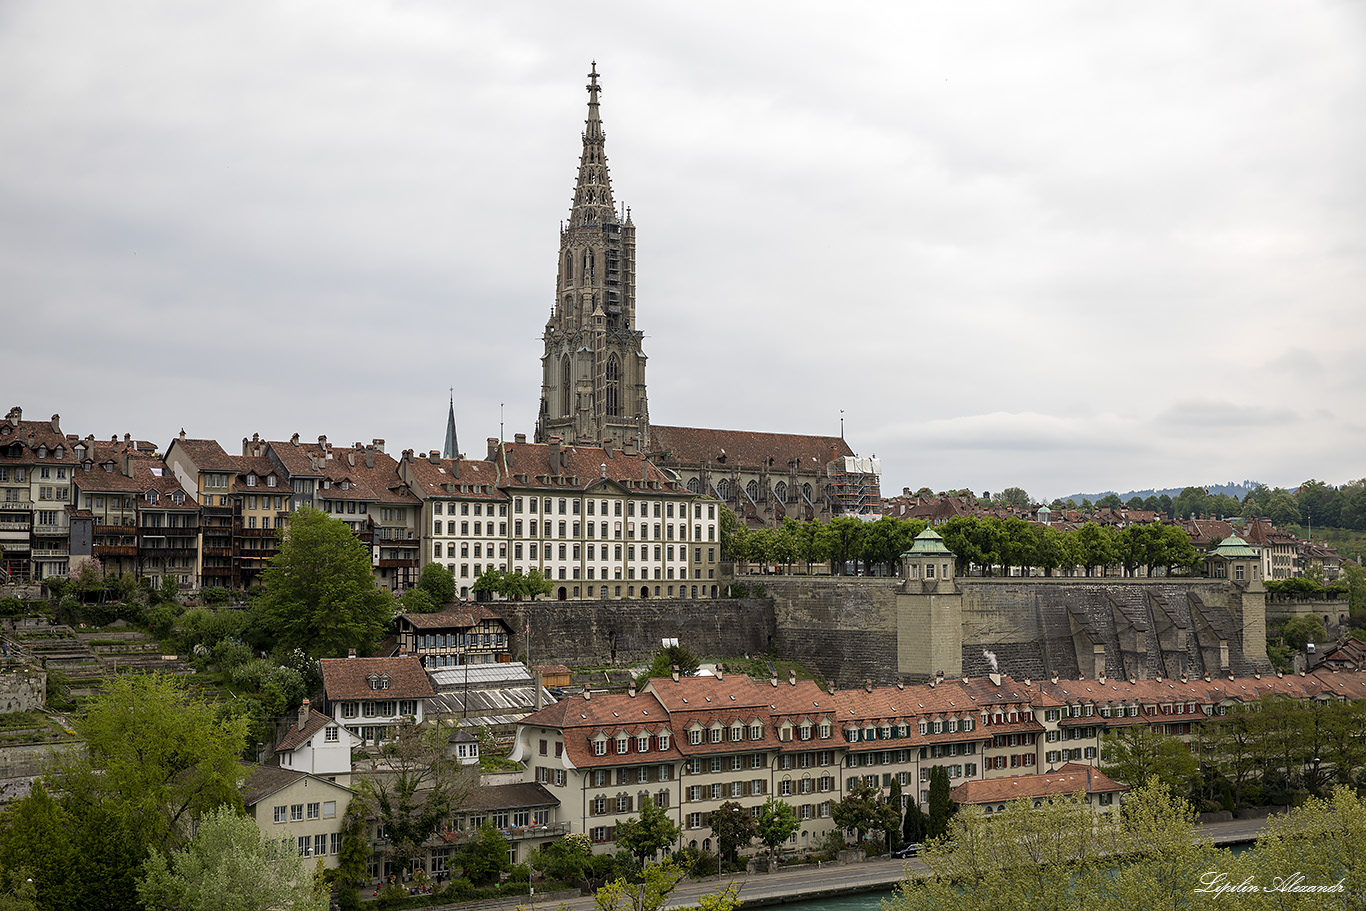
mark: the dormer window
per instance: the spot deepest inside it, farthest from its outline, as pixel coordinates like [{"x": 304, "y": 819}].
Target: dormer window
[
  {"x": 42, "y": 452},
  {"x": 270, "y": 481},
  {"x": 151, "y": 496},
  {"x": 60, "y": 452},
  {"x": 663, "y": 742},
  {"x": 643, "y": 743},
  {"x": 345, "y": 485},
  {"x": 251, "y": 480},
  {"x": 806, "y": 731},
  {"x": 177, "y": 498},
  {"x": 737, "y": 733},
  {"x": 379, "y": 681},
  {"x": 716, "y": 735},
  {"x": 825, "y": 731},
  {"x": 623, "y": 744}
]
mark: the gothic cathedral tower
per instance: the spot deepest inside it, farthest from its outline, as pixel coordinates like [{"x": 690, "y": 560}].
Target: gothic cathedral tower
[{"x": 593, "y": 369}]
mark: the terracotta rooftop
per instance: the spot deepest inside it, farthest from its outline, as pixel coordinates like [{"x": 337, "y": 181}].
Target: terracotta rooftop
[
  {"x": 1072, "y": 778},
  {"x": 745, "y": 447},
  {"x": 349, "y": 678}
]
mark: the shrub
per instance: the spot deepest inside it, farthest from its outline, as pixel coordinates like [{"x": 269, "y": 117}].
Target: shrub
[
  {"x": 11, "y": 607},
  {"x": 214, "y": 595},
  {"x": 230, "y": 653}
]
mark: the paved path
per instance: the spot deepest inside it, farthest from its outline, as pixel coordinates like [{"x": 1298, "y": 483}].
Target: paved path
[{"x": 794, "y": 884}]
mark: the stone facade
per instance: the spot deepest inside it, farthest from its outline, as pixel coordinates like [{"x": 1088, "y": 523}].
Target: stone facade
[
  {"x": 593, "y": 368},
  {"x": 23, "y": 687},
  {"x": 618, "y": 632}
]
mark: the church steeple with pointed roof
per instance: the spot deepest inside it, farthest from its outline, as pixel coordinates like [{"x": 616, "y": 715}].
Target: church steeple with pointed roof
[
  {"x": 593, "y": 368},
  {"x": 452, "y": 448}
]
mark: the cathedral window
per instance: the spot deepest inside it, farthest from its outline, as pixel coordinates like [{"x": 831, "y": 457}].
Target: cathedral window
[
  {"x": 780, "y": 491},
  {"x": 723, "y": 489},
  {"x": 613, "y": 387},
  {"x": 566, "y": 386}
]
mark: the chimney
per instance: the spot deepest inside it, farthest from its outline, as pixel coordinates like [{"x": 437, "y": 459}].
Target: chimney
[
  {"x": 57, "y": 423},
  {"x": 493, "y": 448},
  {"x": 350, "y": 653},
  {"x": 303, "y": 714},
  {"x": 539, "y": 686},
  {"x": 587, "y": 693},
  {"x": 791, "y": 677},
  {"x": 631, "y": 690},
  {"x": 16, "y": 414},
  {"x": 1027, "y": 680},
  {"x": 720, "y": 672},
  {"x": 378, "y": 444},
  {"x": 294, "y": 440},
  {"x": 432, "y": 456},
  {"x": 351, "y": 458},
  {"x": 369, "y": 457},
  {"x": 867, "y": 684},
  {"x": 246, "y": 447},
  {"x": 519, "y": 438},
  {"x": 127, "y": 466},
  {"x": 1055, "y": 678},
  {"x": 1101, "y": 679},
  {"x": 675, "y": 673},
  {"x": 322, "y": 441},
  {"x": 773, "y": 678},
  {"x": 995, "y": 679},
  {"x": 182, "y": 433}
]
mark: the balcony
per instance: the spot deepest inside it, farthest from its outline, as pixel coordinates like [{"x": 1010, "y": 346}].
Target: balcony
[
  {"x": 50, "y": 552},
  {"x": 258, "y": 532},
  {"x": 396, "y": 564},
  {"x": 114, "y": 529},
  {"x": 115, "y": 550},
  {"x": 549, "y": 830},
  {"x": 50, "y": 531},
  {"x": 218, "y": 552}
]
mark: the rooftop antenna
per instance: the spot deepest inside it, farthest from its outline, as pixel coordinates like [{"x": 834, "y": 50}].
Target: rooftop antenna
[
  {"x": 841, "y": 423},
  {"x": 500, "y": 422}
]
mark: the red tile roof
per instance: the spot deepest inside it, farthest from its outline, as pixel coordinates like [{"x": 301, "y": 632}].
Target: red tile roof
[
  {"x": 745, "y": 447},
  {"x": 348, "y": 678},
  {"x": 1072, "y": 778}
]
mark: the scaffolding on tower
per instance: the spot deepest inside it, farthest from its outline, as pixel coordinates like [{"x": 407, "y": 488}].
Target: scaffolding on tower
[{"x": 854, "y": 486}]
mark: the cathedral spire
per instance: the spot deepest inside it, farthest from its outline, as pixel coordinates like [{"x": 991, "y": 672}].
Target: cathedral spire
[
  {"x": 593, "y": 192},
  {"x": 452, "y": 448}
]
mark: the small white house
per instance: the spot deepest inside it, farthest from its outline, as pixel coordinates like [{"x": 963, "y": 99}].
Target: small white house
[
  {"x": 317, "y": 745},
  {"x": 368, "y": 695}
]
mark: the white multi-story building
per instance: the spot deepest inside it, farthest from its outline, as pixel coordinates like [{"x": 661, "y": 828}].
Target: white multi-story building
[{"x": 598, "y": 522}]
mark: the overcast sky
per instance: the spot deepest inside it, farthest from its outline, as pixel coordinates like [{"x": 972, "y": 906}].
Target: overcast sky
[{"x": 1062, "y": 246}]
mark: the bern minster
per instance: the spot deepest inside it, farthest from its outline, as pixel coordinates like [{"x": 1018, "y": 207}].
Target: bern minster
[{"x": 593, "y": 390}]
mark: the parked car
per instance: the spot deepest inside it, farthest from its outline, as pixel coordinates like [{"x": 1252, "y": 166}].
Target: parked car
[{"x": 906, "y": 851}]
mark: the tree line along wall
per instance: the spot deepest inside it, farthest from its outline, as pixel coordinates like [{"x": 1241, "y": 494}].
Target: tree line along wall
[{"x": 618, "y": 633}]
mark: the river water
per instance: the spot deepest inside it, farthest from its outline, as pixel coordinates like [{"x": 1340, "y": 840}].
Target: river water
[{"x": 865, "y": 901}]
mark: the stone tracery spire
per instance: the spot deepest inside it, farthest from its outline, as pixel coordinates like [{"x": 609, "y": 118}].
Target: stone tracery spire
[{"x": 593, "y": 203}]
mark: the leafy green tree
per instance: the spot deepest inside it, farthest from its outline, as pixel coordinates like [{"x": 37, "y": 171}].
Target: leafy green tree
[
  {"x": 415, "y": 601},
  {"x": 668, "y": 658},
  {"x": 649, "y": 833},
  {"x": 1323, "y": 841},
  {"x": 157, "y": 758},
  {"x": 914, "y": 825},
  {"x": 734, "y": 828},
  {"x": 1110, "y": 501},
  {"x": 490, "y": 582},
  {"x": 35, "y": 837},
  {"x": 569, "y": 858},
  {"x": 1298, "y": 632},
  {"x": 942, "y": 806},
  {"x": 421, "y": 786},
  {"x": 776, "y": 824},
  {"x": 318, "y": 592},
  {"x": 728, "y": 526},
  {"x": 1133, "y": 754},
  {"x": 1094, "y": 548},
  {"x": 485, "y": 855},
  {"x": 863, "y": 810},
  {"x": 438, "y": 582},
  {"x": 658, "y": 882},
  {"x": 353, "y": 857},
  {"x": 845, "y": 536},
  {"x": 230, "y": 866},
  {"x": 1015, "y": 496},
  {"x": 893, "y": 814}
]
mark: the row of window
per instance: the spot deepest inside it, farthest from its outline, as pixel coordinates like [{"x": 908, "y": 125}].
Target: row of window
[
  {"x": 462, "y": 640},
  {"x": 625, "y": 743},
  {"x": 1014, "y": 761},
  {"x": 624, "y": 803},
  {"x": 326, "y": 809},
  {"x": 591, "y": 507},
  {"x": 379, "y": 709},
  {"x": 1055, "y": 756}
]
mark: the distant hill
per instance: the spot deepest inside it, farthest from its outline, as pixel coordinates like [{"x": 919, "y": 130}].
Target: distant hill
[{"x": 1231, "y": 489}]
